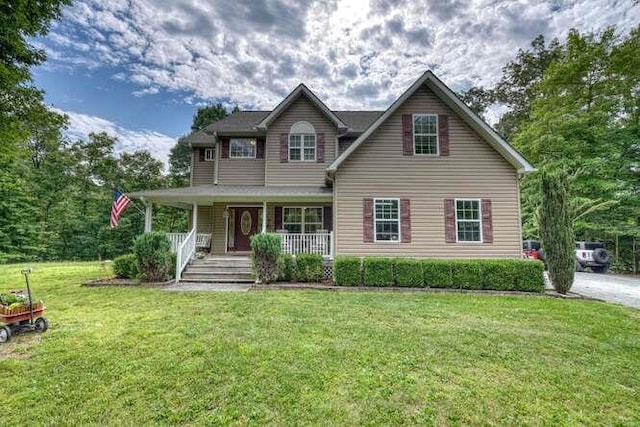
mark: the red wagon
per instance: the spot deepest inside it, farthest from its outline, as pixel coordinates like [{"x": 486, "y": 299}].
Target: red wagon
[{"x": 22, "y": 318}]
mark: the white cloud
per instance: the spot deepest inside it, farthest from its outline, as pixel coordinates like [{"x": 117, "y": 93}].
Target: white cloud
[
  {"x": 127, "y": 140},
  {"x": 353, "y": 53}
]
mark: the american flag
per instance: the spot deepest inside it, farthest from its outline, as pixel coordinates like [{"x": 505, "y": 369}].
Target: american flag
[{"x": 120, "y": 203}]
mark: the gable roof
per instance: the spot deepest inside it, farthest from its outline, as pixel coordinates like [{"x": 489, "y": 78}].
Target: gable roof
[
  {"x": 469, "y": 117},
  {"x": 302, "y": 90}
]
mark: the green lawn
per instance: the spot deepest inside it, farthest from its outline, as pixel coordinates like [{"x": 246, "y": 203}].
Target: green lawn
[{"x": 144, "y": 356}]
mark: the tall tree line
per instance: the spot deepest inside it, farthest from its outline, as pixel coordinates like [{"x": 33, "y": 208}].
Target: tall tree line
[{"x": 575, "y": 105}]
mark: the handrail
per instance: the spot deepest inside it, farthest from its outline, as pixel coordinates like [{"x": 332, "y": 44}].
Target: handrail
[
  {"x": 315, "y": 243},
  {"x": 185, "y": 252}
]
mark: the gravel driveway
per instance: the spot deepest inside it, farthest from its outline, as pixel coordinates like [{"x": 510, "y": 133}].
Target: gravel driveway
[{"x": 609, "y": 287}]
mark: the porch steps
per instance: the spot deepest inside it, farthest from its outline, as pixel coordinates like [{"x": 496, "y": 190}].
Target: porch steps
[{"x": 219, "y": 270}]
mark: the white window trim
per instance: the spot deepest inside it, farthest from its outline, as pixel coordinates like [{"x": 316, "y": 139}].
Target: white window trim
[
  {"x": 302, "y": 222},
  {"x": 375, "y": 234},
  {"x": 302, "y": 159},
  {"x": 255, "y": 151},
  {"x": 209, "y": 154},
  {"x": 413, "y": 132},
  {"x": 479, "y": 220}
]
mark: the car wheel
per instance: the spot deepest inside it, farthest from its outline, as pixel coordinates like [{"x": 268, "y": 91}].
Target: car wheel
[
  {"x": 601, "y": 269},
  {"x": 601, "y": 256},
  {"x": 5, "y": 334},
  {"x": 579, "y": 267}
]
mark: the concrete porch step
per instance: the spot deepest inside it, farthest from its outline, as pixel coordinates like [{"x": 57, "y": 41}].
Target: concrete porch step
[
  {"x": 216, "y": 279},
  {"x": 209, "y": 267}
]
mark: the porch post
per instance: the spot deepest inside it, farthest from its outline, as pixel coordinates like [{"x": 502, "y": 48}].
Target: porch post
[
  {"x": 195, "y": 217},
  {"x": 264, "y": 217},
  {"x": 148, "y": 217}
]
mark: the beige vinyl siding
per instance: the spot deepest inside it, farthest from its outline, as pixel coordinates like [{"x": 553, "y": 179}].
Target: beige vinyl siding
[
  {"x": 203, "y": 173},
  {"x": 473, "y": 170},
  {"x": 219, "y": 229},
  {"x": 241, "y": 172},
  {"x": 205, "y": 219},
  {"x": 299, "y": 173}
]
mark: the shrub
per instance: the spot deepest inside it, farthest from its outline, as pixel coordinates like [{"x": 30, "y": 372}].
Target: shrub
[
  {"x": 309, "y": 268},
  {"x": 126, "y": 266},
  {"x": 153, "y": 252},
  {"x": 172, "y": 265},
  {"x": 347, "y": 271},
  {"x": 437, "y": 273},
  {"x": 409, "y": 272},
  {"x": 378, "y": 271},
  {"x": 265, "y": 255},
  {"x": 499, "y": 274},
  {"x": 466, "y": 274},
  {"x": 529, "y": 276},
  {"x": 556, "y": 229},
  {"x": 287, "y": 270}
]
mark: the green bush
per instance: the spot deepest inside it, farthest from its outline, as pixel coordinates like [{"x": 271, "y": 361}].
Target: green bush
[
  {"x": 499, "y": 274},
  {"x": 153, "y": 252},
  {"x": 309, "y": 268},
  {"x": 437, "y": 273},
  {"x": 172, "y": 265},
  {"x": 287, "y": 270},
  {"x": 347, "y": 271},
  {"x": 126, "y": 266},
  {"x": 409, "y": 272},
  {"x": 529, "y": 276},
  {"x": 467, "y": 274},
  {"x": 265, "y": 255},
  {"x": 378, "y": 271}
]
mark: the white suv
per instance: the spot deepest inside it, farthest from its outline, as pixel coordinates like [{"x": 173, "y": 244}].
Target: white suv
[{"x": 592, "y": 255}]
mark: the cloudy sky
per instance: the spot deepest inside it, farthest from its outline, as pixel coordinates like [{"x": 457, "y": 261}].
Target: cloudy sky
[{"x": 138, "y": 69}]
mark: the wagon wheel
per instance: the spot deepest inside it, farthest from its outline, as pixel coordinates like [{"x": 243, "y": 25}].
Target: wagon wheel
[
  {"x": 5, "y": 334},
  {"x": 41, "y": 324}
]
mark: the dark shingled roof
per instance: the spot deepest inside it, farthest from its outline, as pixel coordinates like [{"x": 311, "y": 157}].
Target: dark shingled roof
[{"x": 246, "y": 121}]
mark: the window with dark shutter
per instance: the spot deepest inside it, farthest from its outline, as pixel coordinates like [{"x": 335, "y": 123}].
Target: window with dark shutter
[
  {"x": 449, "y": 221},
  {"x": 284, "y": 147},
  {"x": 367, "y": 220},
  {"x": 407, "y": 134},
  {"x": 328, "y": 218},
  {"x": 443, "y": 134},
  {"x": 405, "y": 221},
  {"x": 487, "y": 221},
  {"x": 277, "y": 220},
  {"x": 260, "y": 148},
  {"x": 224, "y": 152},
  {"x": 201, "y": 154},
  {"x": 320, "y": 147}
]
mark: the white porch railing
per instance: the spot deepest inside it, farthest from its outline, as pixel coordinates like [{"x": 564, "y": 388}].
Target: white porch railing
[
  {"x": 315, "y": 243},
  {"x": 203, "y": 240},
  {"x": 185, "y": 252}
]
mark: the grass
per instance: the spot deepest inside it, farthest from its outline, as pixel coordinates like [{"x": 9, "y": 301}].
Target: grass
[{"x": 145, "y": 356}]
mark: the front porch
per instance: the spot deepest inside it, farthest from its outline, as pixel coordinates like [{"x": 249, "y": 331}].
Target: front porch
[{"x": 223, "y": 219}]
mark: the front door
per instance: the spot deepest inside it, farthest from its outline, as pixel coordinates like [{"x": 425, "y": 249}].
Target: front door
[{"x": 246, "y": 225}]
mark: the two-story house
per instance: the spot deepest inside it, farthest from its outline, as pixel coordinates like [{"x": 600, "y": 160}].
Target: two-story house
[{"x": 425, "y": 178}]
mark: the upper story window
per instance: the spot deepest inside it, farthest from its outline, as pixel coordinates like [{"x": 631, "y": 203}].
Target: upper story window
[
  {"x": 209, "y": 154},
  {"x": 242, "y": 148},
  {"x": 302, "y": 142},
  {"x": 468, "y": 221},
  {"x": 425, "y": 134},
  {"x": 387, "y": 220}
]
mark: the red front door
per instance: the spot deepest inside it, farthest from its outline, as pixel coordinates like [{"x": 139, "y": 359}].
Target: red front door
[{"x": 246, "y": 225}]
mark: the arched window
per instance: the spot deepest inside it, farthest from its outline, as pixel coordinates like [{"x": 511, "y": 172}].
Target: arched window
[{"x": 302, "y": 142}]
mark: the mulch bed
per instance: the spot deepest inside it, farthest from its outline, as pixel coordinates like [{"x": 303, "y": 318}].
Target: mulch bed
[{"x": 114, "y": 281}]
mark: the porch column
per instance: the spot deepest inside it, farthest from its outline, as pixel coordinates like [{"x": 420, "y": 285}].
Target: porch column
[
  {"x": 264, "y": 217},
  {"x": 148, "y": 217},
  {"x": 195, "y": 217}
]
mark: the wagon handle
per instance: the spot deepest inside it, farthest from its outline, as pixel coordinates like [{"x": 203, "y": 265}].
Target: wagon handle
[{"x": 26, "y": 271}]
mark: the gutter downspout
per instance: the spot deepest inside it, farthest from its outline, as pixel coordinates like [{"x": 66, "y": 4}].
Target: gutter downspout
[{"x": 217, "y": 162}]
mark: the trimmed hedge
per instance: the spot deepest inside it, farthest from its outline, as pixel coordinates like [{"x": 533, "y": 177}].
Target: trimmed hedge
[
  {"x": 266, "y": 250},
  {"x": 409, "y": 273},
  {"x": 467, "y": 274},
  {"x": 126, "y": 266},
  {"x": 153, "y": 253},
  {"x": 347, "y": 271},
  {"x": 287, "y": 271},
  {"x": 437, "y": 273},
  {"x": 309, "y": 268},
  {"x": 492, "y": 274},
  {"x": 378, "y": 271}
]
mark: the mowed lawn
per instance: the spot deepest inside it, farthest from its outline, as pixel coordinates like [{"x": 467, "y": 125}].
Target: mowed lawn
[{"x": 145, "y": 356}]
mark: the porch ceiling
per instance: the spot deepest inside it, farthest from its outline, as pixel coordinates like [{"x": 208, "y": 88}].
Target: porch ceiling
[{"x": 234, "y": 193}]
